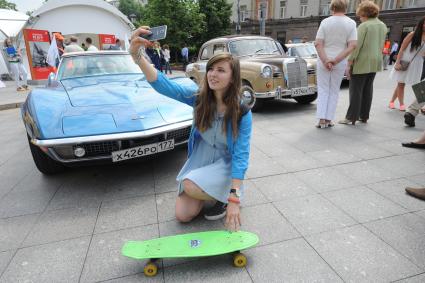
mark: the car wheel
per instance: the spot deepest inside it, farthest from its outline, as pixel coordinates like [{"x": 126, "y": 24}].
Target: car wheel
[
  {"x": 248, "y": 97},
  {"x": 306, "y": 99},
  {"x": 44, "y": 163}
]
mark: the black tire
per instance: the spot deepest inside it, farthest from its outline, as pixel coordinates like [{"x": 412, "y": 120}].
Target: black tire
[
  {"x": 44, "y": 163},
  {"x": 307, "y": 99}
]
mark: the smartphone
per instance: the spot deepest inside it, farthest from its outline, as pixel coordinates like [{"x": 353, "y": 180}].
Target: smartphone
[{"x": 157, "y": 33}]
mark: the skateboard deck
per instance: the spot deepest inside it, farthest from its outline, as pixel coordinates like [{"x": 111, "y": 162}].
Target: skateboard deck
[{"x": 199, "y": 244}]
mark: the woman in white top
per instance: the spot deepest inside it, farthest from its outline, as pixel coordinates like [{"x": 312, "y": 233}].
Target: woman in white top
[
  {"x": 166, "y": 53},
  {"x": 412, "y": 50},
  {"x": 335, "y": 40}
]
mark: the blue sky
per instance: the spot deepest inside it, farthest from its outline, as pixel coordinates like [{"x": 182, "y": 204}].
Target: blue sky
[{"x": 27, "y": 5}]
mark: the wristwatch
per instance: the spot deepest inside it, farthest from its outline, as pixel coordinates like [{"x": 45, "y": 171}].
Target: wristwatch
[{"x": 236, "y": 191}]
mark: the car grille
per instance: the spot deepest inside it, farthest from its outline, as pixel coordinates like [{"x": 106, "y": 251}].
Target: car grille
[
  {"x": 179, "y": 135},
  {"x": 98, "y": 149},
  {"x": 297, "y": 74}
]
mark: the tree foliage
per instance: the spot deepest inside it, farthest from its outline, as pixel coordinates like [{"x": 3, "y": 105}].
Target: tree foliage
[
  {"x": 217, "y": 17},
  {"x": 183, "y": 18},
  {"x": 4, "y": 4},
  {"x": 131, "y": 7}
]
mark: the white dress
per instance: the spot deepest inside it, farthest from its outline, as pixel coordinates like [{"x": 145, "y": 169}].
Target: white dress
[{"x": 414, "y": 72}]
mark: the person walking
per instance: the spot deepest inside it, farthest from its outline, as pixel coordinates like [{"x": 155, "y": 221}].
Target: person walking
[
  {"x": 185, "y": 56},
  {"x": 335, "y": 40},
  {"x": 386, "y": 53},
  {"x": 394, "y": 50},
  {"x": 167, "y": 57},
  {"x": 409, "y": 63},
  {"x": 218, "y": 147},
  {"x": 414, "y": 108},
  {"x": 14, "y": 57},
  {"x": 364, "y": 62}
]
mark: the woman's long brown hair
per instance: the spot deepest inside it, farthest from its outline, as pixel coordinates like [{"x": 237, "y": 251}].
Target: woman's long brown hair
[{"x": 206, "y": 106}]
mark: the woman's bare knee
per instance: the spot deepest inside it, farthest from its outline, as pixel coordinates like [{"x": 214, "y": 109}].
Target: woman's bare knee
[
  {"x": 187, "y": 208},
  {"x": 183, "y": 217}
]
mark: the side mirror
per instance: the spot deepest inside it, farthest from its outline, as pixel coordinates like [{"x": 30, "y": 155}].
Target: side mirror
[{"x": 51, "y": 79}]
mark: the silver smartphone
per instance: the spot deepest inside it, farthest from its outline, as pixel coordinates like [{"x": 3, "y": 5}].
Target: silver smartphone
[{"x": 157, "y": 33}]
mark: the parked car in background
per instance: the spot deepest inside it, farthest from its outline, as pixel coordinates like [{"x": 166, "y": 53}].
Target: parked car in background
[
  {"x": 99, "y": 107},
  {"x": 307, "y": 51},
  {"x": 267, "y": 73}
]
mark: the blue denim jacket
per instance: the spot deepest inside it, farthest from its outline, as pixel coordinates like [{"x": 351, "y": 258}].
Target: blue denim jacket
[{"x": 238, "y": 148}]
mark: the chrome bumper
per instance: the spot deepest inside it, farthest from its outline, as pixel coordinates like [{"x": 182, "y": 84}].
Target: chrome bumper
[{"x": 111, "y": 137}]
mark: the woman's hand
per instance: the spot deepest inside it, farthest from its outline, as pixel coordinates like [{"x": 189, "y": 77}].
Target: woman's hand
[
  {"x": 397, "y": 66},
  {"x": 138, "y": 54},
  {"x": 233, "y": 217},
  {"x": 137, "y": 42},
  {"x": 348, "y": 72}
]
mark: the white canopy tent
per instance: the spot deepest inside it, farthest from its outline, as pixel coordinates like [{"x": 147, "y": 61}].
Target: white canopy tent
[
  {"x": 11, "y": 23},
  {"x": 79, "y": 17}
]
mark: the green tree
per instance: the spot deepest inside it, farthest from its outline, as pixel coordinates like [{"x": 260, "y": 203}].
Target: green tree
[
  {"x": 4, "y": 4},
  {"x": 183, "y": 17},
  {"x": 217, "y": 13},
  {"x": 131, "y": 7}
]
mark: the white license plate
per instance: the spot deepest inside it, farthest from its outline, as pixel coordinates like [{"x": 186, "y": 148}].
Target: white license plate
[
  {"x": 302, "y": 91},
  {"x": 142, "y": 150}
]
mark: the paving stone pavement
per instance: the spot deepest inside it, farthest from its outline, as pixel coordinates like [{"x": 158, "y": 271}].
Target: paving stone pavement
[{"x": 328, "y": 205}]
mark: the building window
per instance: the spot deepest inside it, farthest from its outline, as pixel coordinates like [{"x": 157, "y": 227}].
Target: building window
[
  {"x": 390, "y": 4},
  {"x": 282, "y": 9},
  {"x": 304, "y": 5},
  {"x": 325, "y": 7},
  {"x": 412, "y": 4},
  {"x": 244, "y": 13}
]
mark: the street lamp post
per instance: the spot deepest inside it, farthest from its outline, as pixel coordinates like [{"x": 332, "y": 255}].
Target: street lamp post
[
  {"x": 238, "y": 24},
  {"x": 263, "y": 6}
]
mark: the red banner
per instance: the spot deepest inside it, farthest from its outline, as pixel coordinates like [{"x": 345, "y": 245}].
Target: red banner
[
  {"x": 37, "y": 43},
  {"x": 106, "y": 41}
]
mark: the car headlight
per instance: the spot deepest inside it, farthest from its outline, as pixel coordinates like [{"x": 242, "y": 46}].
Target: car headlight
[
  {"x": 79, "y": 151},
  {"x": 266, "y": 71}
]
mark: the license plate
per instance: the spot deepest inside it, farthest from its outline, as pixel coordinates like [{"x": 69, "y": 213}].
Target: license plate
[
  {"x": 142, "y": 150},
  {"x": 302, "y": 91}
]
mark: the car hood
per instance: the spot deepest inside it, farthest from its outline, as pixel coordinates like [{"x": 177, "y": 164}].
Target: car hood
[
  {"x": 276, "y": 60},
  {"x": 98, "y": 107}
]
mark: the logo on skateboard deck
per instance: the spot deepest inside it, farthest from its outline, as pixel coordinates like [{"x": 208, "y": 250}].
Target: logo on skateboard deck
[{"x": 195, "y": 243}]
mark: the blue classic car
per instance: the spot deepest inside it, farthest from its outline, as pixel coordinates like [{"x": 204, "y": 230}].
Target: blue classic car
[{"x": 99, "y": 107}]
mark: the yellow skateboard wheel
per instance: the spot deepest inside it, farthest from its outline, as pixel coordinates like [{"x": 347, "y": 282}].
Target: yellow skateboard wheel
[
  {"x": 239, "y": 260},
  {"x": 151, "y": 269}
]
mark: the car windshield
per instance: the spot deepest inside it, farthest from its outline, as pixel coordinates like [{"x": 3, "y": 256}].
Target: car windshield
[
  {"x": 303, "y": 51},
  {"x": 95, "y": 65},
  {"x": 246, "y": 47}
]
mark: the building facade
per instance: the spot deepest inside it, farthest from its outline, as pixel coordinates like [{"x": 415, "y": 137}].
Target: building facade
[{"x": 297, "y": 19}]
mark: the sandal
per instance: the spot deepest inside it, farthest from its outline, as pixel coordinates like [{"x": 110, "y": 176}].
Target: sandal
[
  {"x": 20, "y": 89},
  {"x": 321, "y": 126}
]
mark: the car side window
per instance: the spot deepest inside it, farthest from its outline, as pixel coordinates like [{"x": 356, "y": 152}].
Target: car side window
[
  {"x": 219, "y": 48},
  {"x": 205, "y": 54}
]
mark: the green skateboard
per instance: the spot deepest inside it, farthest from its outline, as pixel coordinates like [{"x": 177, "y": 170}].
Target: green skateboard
[{"x": 199, "y": 244}]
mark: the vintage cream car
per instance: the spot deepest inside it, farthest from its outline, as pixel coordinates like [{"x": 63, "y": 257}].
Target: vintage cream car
[{"x": 267, "y": 73}]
